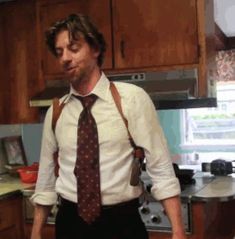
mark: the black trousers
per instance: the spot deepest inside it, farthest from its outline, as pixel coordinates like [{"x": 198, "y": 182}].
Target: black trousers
[{"x": 121, "y": 221}]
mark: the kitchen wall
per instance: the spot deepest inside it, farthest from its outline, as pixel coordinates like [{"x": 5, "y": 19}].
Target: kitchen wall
[
  {"x": 170, "y": 122},
  {"x": 10, "y": 130},
  {"x": 32, "y": 133}
]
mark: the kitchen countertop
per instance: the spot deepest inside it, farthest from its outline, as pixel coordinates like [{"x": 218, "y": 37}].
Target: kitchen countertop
[
  {"x": 206, "y": 188},
  {"x": 11, "y": 185},
  {"x": 220, "y": 188}
]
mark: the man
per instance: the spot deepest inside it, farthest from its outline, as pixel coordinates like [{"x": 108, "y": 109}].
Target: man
[{"x": 80, "y": 48}]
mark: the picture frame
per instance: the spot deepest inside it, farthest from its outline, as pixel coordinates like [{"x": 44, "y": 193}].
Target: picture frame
[{"x": 14, "y": 150}]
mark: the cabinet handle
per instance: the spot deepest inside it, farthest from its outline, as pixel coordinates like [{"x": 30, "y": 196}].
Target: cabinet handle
[{"x": 122, "y": 48}]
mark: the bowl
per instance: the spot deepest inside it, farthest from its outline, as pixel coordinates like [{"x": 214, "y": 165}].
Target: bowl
[{"x": 29, "y": 174}]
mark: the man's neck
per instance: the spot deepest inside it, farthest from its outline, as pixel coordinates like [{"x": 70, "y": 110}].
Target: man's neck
[{"x": 89, "y": 83}]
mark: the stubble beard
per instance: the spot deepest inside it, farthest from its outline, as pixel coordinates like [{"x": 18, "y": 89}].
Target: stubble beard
[{"x": 80, "y": 80}]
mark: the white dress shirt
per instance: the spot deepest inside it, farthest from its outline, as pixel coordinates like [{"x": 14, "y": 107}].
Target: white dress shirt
[{"x": 115, "y": 150}]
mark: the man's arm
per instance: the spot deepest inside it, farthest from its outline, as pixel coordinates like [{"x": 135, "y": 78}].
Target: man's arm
[
  {"x": 172, "y": 206},
  {"x": 41, "y": 213}
]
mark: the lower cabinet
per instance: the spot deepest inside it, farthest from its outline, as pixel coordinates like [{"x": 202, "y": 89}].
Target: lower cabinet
[
  {"x": 11, "y": 223},
  {"x": 210, "y": 220}
]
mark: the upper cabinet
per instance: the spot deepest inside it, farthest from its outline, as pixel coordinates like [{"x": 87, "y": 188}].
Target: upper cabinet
[
  {"x": 151, "y": 35},
  {"x": 51, "y": 11},
  {"x": 19, "y": 65},
  {"x": 154, "y": 33},
  {"x": 141, "y": 36}
]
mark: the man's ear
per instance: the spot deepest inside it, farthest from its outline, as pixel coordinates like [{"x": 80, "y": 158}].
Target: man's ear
[{"x": 96, "y": 52}]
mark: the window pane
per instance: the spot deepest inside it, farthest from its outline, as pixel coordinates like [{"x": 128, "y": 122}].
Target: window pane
[{"x": 213, "y": 124}]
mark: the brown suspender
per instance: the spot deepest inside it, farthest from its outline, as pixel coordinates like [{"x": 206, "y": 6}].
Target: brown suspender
[
  {"x": 56, "y": 111},
  {"x": 57, "y": 108},
  {"x": 138, "y": 151}
]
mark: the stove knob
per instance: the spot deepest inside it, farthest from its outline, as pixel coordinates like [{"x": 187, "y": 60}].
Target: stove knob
[
  {"x": 144, "y": 210},
  {"x": 148, "y": 187},
  {"x": 156, "y": 219}
]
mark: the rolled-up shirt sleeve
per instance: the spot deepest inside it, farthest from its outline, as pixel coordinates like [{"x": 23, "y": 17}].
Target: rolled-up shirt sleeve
[
  {"x": 146, "y": 131},
  {"x": 45, "y": 186}
]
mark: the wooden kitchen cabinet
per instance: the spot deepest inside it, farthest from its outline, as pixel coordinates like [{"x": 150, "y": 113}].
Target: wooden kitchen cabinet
[
  {"x": 210, "y": 220},
  {"x": 52, "y": 11},
  {"x": 157, "y": 33},
  {"x": 18, "y": 62},
  {"x": 11, "y": 215},
  {"x": 151, "y": 35},
  {"x": 141, "y": 36}
]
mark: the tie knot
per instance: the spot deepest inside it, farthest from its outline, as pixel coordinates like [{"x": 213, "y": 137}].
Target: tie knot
[{"x": 87, "y": 101}]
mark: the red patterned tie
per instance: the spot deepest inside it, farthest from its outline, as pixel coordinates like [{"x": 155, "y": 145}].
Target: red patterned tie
[{"x": 87, "y": 164}]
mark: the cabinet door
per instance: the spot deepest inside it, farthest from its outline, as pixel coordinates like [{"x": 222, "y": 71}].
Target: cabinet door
[
  {"x": 18, "y": 62},
  {"x": 9, "y": 233},
  {"x": 11, "y": 217},
  {"x": 98, "y": 11},
  {"x": 154, "y": 33}
]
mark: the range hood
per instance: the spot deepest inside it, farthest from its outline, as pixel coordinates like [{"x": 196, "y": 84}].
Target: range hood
[{"x": 168, "y": 90}]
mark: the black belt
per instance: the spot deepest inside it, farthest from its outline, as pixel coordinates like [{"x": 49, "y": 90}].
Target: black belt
[
  {"x": 134, "y": 203},
  {"x": 131, "y": 204}
]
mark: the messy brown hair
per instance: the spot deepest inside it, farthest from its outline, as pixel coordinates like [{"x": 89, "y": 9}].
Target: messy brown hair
[{"x": 77, "y": 25}]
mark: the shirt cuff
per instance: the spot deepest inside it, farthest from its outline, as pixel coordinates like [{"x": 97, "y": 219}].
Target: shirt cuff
[
  {"x": 44, "y": 198},
  {"x": 166, "y": 190}
]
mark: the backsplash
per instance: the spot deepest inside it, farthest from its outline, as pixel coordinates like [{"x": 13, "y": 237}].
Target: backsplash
[
  {"x": 10, "y": 130},
  {"x": 31, "y": 135}
]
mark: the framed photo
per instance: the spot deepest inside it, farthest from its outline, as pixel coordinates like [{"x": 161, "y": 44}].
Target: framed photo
[{"x": 14, "y": 149}]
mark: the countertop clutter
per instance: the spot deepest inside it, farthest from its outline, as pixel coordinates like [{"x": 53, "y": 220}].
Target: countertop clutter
[{"x": 11, "y": 185}]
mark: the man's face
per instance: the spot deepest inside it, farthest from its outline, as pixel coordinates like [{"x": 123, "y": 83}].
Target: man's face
[{"x": 76, "y": 57}]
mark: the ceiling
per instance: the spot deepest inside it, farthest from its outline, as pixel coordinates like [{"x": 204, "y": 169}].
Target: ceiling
[{"x": 224, "y": 11}]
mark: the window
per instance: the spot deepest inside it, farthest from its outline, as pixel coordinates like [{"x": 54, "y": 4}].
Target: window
[{"x": 205, "y": 128}]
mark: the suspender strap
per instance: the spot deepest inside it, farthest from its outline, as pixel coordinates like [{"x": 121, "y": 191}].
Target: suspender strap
[
  {"x": 57, "y": 108},
  {"x": 56, "y": 111},
  {"x": 138, "y": 152},
  {"x": 117, "y": 100}
]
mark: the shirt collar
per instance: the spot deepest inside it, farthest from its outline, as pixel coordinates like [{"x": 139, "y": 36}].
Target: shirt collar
[{"x": 101, "y": 89}]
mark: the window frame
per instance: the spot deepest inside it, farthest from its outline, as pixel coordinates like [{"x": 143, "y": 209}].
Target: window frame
[{"x": 214, "y": 145}]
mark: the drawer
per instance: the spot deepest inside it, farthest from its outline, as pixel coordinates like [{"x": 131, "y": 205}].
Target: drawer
[{"x": 6, "y": 216}]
